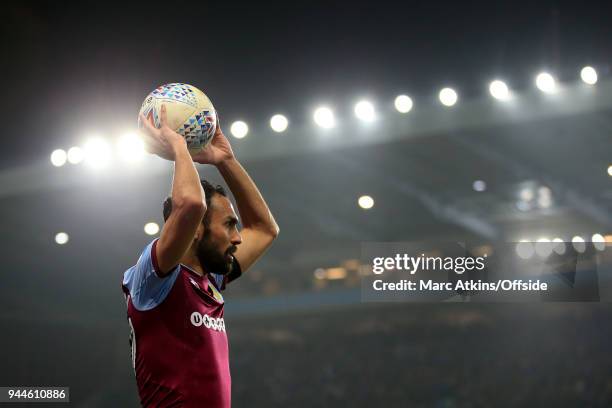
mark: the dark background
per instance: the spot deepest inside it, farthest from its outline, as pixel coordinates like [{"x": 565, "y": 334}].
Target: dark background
[
  {"x": 101, "y": 59},
  {"x": 72, "y": 68}
]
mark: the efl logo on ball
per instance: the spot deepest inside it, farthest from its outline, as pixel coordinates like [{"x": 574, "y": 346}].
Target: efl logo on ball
[{"x": 190, "y": 113}]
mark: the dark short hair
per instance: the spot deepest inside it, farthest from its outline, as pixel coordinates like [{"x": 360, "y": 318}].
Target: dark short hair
[{"x": 209, "y": 191}]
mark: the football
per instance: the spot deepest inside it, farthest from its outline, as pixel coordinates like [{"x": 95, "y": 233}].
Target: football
[{"x": 190, "y": 113}]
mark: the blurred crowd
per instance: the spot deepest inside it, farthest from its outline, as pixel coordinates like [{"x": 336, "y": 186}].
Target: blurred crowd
[{"x": 434, "y": 355}]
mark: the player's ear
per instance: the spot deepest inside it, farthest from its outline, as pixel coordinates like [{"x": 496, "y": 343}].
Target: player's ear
[{"x": 199, "y": 232}]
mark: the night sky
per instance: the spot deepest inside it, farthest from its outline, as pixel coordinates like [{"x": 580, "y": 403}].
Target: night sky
[{"x": 69, "y": 69}]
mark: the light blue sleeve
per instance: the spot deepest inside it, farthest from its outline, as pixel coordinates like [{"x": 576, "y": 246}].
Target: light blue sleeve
[{"x": 147, "y": 289}]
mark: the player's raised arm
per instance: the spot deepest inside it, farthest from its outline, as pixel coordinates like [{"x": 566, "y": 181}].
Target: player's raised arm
[
  {"x": 188, "y": 201},
  {"x": 259, "y": 227}
]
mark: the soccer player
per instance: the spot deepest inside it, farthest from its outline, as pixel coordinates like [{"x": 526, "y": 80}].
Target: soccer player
[{"x": 175, "y": 308}]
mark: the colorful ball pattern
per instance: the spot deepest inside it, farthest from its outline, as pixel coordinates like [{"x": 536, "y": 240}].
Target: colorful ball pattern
[{"x": 189, "y": 111}]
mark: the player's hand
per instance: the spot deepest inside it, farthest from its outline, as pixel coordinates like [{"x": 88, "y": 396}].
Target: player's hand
[
  {"x": 162, "y": 141},
  {"x": 217, "y": 151}
]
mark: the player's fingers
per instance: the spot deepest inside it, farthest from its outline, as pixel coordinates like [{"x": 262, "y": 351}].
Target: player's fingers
[
  {"x": 218, "y": 123},
  {"x": 150, "y": 134},
  {"x": 163, "y": 116},
  {"x": 147, "y": 126}
]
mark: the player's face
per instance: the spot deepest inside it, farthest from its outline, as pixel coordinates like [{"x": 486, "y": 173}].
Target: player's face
[{"x": 220, "y": 238}]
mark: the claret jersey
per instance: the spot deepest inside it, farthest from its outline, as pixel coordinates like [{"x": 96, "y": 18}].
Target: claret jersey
[{"x": 178, "y": 334}]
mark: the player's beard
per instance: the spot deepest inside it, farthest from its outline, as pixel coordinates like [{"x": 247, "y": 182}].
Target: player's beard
[{"x": 212, "y": 259}]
